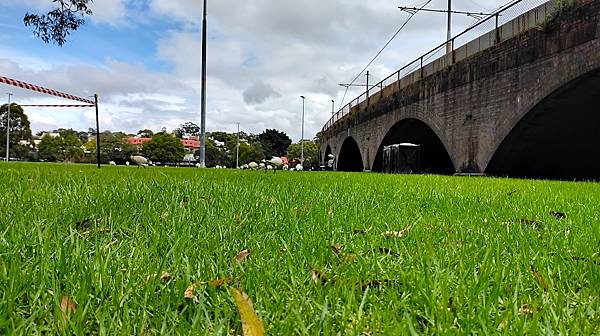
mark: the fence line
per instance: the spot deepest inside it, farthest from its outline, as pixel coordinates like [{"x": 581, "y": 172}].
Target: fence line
[{"x": 505, "y": 23}]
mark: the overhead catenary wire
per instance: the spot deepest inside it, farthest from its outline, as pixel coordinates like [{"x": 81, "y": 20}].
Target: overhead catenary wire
[{"x": 382, "y": 49}]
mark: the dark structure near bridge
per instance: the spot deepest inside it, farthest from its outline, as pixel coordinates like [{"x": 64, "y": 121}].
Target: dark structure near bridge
[{"x": 517, "y": 101}]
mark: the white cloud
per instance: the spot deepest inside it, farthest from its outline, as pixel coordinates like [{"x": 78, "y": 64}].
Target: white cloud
[
  {"x": 109, "y": 11},
  {"x": 262, "y": 55}
]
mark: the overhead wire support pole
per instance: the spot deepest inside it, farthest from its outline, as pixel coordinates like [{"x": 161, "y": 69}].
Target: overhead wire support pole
[
  {"x": 449, "y": 11},
  {"x": 449, "y": 47},
  {"x": 414, "y": 10},
  {"x": 355, "y": 85},
  {"x": 203, "y": 93}
]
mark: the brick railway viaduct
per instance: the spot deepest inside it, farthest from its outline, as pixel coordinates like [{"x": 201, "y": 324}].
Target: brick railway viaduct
[{"x": 525, "y": 103}]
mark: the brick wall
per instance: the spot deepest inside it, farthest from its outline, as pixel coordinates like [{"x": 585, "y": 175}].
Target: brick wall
[{"x": 473, "y": 104}]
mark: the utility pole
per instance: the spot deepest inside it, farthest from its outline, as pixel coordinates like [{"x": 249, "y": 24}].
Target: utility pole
[
  {"x": 302, "y": 136},
  {"x": 449, "y": 45},
  {"x": 368, "y": 85},
  {"x": 358, "y": 85},
  {"x": 237, "y": 149},
  {"x": 449, "y": 11},
  {"x": 8, "y": 130},
  {"x": 203, "y": 93}
]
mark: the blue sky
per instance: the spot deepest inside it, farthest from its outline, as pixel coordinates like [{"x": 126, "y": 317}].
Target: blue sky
[{"x": 143, "y": 58}]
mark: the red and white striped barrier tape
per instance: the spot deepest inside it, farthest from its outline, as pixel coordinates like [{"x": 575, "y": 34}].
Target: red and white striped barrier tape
[
  {"x": 27, "y": 86},
  {"x": 57, "y": 105}
]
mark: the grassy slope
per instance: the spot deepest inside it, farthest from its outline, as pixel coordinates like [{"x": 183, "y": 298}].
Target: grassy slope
[{"x": 466, "y": 266}]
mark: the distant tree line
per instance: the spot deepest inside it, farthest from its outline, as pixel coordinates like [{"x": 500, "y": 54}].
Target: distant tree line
[{"x": 68, "y": 145}]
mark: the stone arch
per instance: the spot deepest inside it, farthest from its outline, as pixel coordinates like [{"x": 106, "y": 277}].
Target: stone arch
[
  {"x": 558, "y": 138},
  {"x": 327, "y": 152},
  {"x": 350, "y": 159},
  {"x": 435, "y": 158}
]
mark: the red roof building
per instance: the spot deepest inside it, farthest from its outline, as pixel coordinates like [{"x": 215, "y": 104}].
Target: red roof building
[
  {"x": 138, "y": 141},
  {"x": 190, "y": 144}
]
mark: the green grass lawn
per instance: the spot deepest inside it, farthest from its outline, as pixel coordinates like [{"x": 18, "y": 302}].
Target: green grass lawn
[{"x": 477, "y": 255}]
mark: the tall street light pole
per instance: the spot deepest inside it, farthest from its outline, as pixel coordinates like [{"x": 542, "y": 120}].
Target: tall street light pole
[
  {"x": 237, "y": 149},
  {"x": 203, "y": 93},
  {"x": 302, "y": 135},
  {"x": 8, "y": 130},
  {"x": 332, "y": 107}
]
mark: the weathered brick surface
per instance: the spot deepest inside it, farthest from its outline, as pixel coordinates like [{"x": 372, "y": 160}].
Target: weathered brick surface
[{"x": 497, "y": 87}]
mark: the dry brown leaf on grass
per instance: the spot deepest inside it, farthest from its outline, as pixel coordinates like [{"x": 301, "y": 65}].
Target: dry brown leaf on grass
[
  {"x": 184, "y": 201},
  {"x": 165, "y": 277},
  {"x": 558, "y": 215},
  {"x": 530, "y": 222},
  {"x": 317, "y": 276},
  {"x": 190, "y": 293},
  {"x": 337, "y": 248},
  {"x": 68, "y": 307},
  {"x": 350, "y": 257},
  {"x": 398, "y": 234},
  {"x": 221, "y": 282},
  {"x": 164, "y": 216},
  {"x": 527, "y": 310},
  {"x": 539, "y": 278},
  {"x": 251, "y": 323},
  {"x": 502, "y": 325},
  {"x": 243, "y": 255},
  {"x": 388, "y": 251},
  {"x": 238, "y": 219},
  {"x": 83, "y": 224}
]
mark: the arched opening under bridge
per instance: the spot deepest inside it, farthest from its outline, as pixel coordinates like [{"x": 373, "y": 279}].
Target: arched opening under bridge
[
  {"x": 558, "y": 139},
  {"x": 349, "y": 159},
  {"x": 434, "y": 158}
]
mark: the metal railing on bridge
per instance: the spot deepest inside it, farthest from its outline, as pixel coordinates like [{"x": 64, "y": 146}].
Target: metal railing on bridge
[{"x": 505, "y": 23}]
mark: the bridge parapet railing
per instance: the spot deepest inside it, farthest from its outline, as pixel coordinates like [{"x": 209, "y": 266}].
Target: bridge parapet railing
[{"x": 505, "y": 23}]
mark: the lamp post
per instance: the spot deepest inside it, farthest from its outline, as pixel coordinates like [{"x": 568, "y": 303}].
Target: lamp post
[
  {"x": 203, "y": 94},
  {"x": 8, "y": 130},
  {"x": 237, "y": 149},
  {"x": 302, "y": 135},
  {"x": 332, "y": 107}
]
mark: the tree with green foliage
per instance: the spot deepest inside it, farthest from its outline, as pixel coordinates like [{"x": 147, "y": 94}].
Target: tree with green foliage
[
  {"x": 56, "y": 25},
  {"x": 145, "y": 133},
  {"x": 164, "y": 148},
  {"x": 274, "y": 143},
  {"x": 113, "y": 147},
  {"x": 311, "y": 154},
  {"x": 20, "y": 129},
  {"x": 187, "y": 129},
  {"x": 224, "y": 137},
  {"x": 51, "y": 149},
  {"x": 72, "y": 147},
  {"x": 216, "y": 156},
  {"x": 250, "y": 153}
]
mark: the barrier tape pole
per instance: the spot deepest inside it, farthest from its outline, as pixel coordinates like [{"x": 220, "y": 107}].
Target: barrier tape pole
[
  {"x": 27, "y": 86},
  {"x": 97, "y": 131}
]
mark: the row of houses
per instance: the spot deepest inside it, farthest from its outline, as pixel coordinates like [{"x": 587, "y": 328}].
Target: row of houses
[{"x": 190, "y": 143}]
